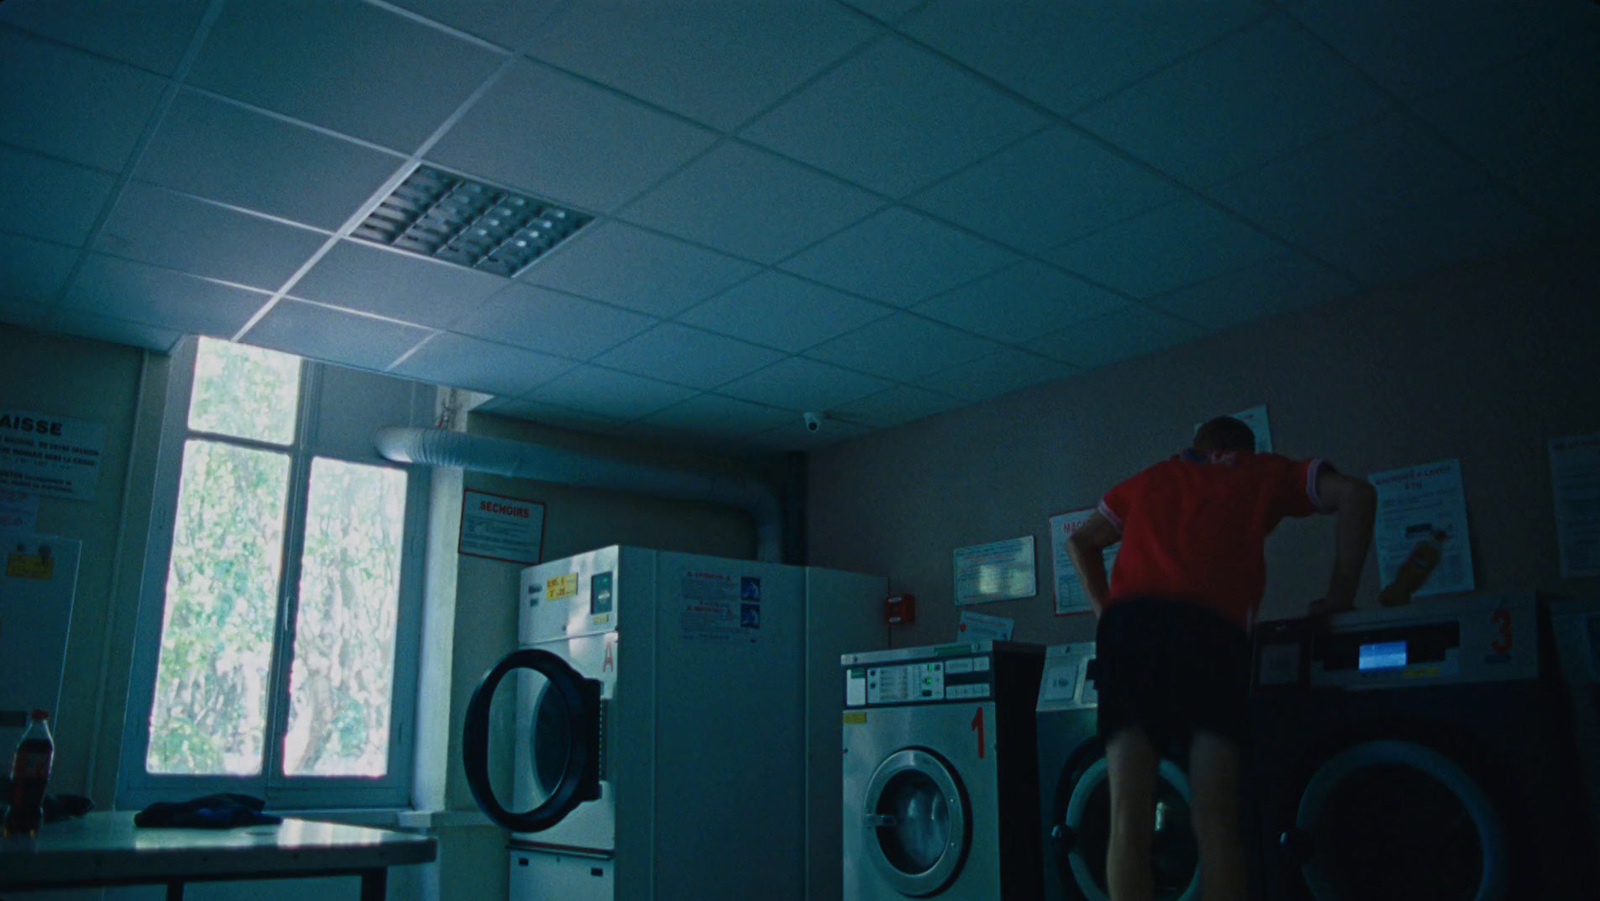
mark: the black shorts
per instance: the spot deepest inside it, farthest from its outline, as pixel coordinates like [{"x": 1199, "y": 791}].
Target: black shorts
[{"x": 1173, "y": 669}]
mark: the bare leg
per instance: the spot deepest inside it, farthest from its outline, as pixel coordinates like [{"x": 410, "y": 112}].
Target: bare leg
[
  {"x": 1131, "y": 766},
  {"x": 1214, "y": 791}
]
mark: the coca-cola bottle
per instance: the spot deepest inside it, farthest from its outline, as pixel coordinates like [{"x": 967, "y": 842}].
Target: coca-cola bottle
[{"x": 30, "y": 773}]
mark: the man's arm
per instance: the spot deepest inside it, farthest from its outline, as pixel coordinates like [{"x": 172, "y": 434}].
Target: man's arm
[
  {"x": 1084, "y": 547},
  {"x": 1354, "y": 502}
]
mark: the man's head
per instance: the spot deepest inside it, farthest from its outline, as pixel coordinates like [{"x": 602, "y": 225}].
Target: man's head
[{"x": 1225, "y": 435}]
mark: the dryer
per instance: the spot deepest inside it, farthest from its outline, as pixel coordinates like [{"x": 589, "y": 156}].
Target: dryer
[
  {"x": 1075, "y": 795},
  {"x": 940, "y": 776},
  {"x": 1416, "y": 752}
]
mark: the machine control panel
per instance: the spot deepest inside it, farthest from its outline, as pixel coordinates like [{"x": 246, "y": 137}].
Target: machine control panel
[
  {"x": 1069, "y": 681},
  {"x": 920, "y": 682}
]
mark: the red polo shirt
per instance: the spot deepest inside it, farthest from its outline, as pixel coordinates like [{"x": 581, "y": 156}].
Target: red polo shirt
[{"x": 1194, "y": 527}]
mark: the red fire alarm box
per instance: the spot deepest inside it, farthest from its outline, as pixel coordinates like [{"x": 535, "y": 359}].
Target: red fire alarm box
[{"x": 901, "y": 609}]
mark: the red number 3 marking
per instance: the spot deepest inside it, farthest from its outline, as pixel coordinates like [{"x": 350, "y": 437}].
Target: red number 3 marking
[
  {"x": 977, "y": 726},
  {"x": 1502, "y": 642}
]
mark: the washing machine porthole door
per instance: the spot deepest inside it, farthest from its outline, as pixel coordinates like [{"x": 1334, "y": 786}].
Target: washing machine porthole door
[
  {"x": 1084, "y": 814},
  {"x": 919, "y": 824},
  {"x": 532, "y": 741},
  {"x": 1389, "y": 819}
]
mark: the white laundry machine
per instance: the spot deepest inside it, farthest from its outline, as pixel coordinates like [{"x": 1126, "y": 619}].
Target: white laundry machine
[
  {"x": 1576, "y": 629},
  {"x": 1075, "y": 792},
  {"x": 649, "y": 739},
  {"x": 940, "y": 782}
]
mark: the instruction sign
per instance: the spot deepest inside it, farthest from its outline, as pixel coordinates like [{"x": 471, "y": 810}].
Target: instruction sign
[
  {"x": 1575, "y": 472},
  {"x": 501, "y": 528},
  {"x": 720, "y": 606},
  {"x": 1070, "y": 597},
  {"x": 997, "y": 571},
  {"x": 49, "y": 455},
  {"x": 1413, "y": 503}
]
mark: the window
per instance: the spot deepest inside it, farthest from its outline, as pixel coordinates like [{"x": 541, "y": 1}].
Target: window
[{"x": 278, "y": 627}]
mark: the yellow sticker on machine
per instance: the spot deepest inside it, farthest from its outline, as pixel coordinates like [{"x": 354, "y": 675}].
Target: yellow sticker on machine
[
  {"x": 561, "y": 587},
  {"x": 30, "y": 566},
  {"x": 854, "y": 717}
]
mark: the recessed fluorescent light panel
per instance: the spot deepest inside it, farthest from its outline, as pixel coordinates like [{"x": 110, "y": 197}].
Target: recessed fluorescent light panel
[{"x": 447, "y": 217}]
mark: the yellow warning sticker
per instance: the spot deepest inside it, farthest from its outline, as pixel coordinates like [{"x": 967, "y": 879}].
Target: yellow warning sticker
[
  {"x": 29, "y": 566},
  {"x": 561, "y": 587},
  {"x": 854, "y": 717}
]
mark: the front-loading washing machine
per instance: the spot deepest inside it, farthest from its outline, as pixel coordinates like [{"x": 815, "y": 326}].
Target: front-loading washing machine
[
  {"x": 1075, "y": 794},
  {"x": 940, "y": 775},
  {"x": 1417, "y": 752},
  {"x": 1576, "y": 629}
]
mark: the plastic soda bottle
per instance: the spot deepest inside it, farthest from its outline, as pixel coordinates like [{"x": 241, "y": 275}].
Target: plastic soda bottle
[
  {"x": 30, "y": 773},
  {"x": 1416, "y": 569}
]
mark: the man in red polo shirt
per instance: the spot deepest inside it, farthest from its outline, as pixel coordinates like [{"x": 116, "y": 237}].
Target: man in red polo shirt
[{"x": 1173, "y": 641}]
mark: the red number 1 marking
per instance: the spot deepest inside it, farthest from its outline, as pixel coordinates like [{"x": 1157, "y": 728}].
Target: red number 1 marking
[{"x": 977, "y": 726}]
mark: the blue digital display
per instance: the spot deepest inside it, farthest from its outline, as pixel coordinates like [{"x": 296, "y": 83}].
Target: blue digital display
[{"x": 1382, "y": 655}]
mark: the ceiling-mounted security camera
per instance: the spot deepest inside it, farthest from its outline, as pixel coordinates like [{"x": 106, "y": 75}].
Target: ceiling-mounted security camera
[{"x": 813, "y": 422}]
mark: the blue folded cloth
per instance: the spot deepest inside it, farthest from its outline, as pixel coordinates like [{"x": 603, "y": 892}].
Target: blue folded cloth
[{"x": 220, "y": 811}]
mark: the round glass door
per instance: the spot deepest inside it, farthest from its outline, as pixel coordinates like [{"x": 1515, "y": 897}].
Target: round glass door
[
  {"x": 919, "y": 824},
  {"x": 1081, "y": 832},
  {"x": 531, "y": 746},
  {"x": 1396, "y": 820}
]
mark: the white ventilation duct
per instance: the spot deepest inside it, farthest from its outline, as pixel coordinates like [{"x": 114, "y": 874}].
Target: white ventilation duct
[{"x": 516, "y": 459}]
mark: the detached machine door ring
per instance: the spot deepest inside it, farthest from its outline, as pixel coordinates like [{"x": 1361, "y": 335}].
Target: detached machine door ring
[{"x": 580, "y": 705}]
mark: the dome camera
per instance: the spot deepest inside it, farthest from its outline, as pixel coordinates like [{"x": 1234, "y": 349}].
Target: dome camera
[{"x": 813, "y": 422}]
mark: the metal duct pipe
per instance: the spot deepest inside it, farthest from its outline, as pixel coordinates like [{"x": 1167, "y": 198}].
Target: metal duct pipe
[{"x": 440, "y": 447}]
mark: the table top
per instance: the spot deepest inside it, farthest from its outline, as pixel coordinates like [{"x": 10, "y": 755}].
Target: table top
[{"x": 105, "y": 847}]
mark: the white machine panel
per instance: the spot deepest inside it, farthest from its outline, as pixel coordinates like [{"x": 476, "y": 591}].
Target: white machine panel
[{"x": 37, "y": 582}]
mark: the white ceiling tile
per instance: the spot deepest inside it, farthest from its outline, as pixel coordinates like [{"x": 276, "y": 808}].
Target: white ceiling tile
[
  {"x": 323, "y": 333},
  {"x": 1434, "y": 235},
  {"x": 372, "y": 279},
  {"x": 1544, "y": 108},
  {"x": 155, "y": 225},
  {"x": 1350, "y": 181},
  {"x": 1064, "y": 55},
  {"x": 903, "y": 347},
  {"x": 997, "y": 374},
  {"x": 885, "y": 10},
  {"x": 32, "y": 272},
  {"x": 1160, "y": 250},
  {"x": 1051, "y": 188},
  {"x": 170, "y": 300},
  {"x": 1239, "y": 103},
  {"x": 798, "y": 384},
  {"x": 899, "y": 257},
  {"x": 686, "y": 356},
  {"x": 1020, "y": 302},
  {"x": 796, "y": 437},
  {"x": 637, "y": 269},
  {"x": 783, "y": 311},
  {"x": 26, "y": 315},
  {"x": 894, "y": 119},
  {"x": 509, "y": 23},
  {"x": 459, "y": 362},
  {"x": 116, "y": 331},
  {"x": 151, "y": 36},
  {"x": 711, "y": 414},
  {"x": 72, "y": 105},
  {"x": 895, "y": 406},
  {"x": 217, "y": 150},
  {"x": 608, "y": 393},
  {"x": 1421, "y": 46},
  {"x": 726, "y": 200},
  {"x": 554, "y": 136},
  {"x": 353, "y": 67},
  {"x": 50, "y": 199},
  {"x": 551, "y": 322},
  {"x": 1274, "y": 286},
  {"x": 716, "y": 61},
  {"x": 1130, "y": 332}
]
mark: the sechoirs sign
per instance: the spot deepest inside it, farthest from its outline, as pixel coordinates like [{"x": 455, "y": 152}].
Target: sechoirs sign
[
  {"x": 49, "y": 455},
  {"x": 501, "y": 528}
]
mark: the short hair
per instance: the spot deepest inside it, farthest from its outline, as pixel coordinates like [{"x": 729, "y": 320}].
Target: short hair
[{"x": 1226, "y": 435}]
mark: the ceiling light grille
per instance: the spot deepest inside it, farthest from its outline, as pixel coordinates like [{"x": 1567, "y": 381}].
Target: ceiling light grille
[{"x": 447, "y": 217}]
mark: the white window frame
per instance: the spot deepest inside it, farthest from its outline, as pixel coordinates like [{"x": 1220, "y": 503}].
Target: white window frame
[{"x": 138, "y": 788}]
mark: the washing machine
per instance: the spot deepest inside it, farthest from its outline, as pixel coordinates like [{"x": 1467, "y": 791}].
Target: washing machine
[
  {"x": 1417, "y": 752},
  {"x": 940, "y": 774},
  {"x": 1075, "y": 795},
  {"x": 649, "y": 737},
  {"x": 1576, "y": 630}
]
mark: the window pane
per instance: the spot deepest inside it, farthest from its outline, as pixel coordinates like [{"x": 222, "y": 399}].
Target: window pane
[
  {"x": 340, "y": 686},
  {"x": 243, "y": 391},
  {"x": 209, "y": 715}
]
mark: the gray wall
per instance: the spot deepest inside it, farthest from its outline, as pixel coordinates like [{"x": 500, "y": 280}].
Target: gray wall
[{"x": 1483, "y": 363}]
